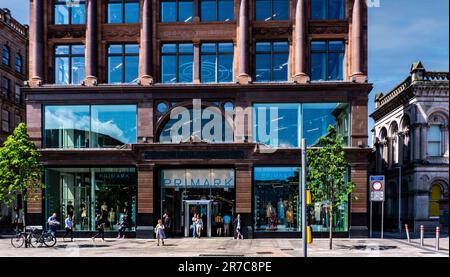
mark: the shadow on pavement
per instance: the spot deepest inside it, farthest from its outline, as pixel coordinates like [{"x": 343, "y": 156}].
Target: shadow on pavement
[{"x": 368, "y": 247}]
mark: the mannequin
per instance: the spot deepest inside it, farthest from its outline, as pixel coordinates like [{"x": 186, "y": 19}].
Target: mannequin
[
  {"x": 112, "y": 218},
  {"x": 290, "y": 217},
  {"x": 281, "y": 211},
  {"x": 269, "y": 214}
]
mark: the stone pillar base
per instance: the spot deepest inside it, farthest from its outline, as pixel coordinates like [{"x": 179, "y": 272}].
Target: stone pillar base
[
  {"x": 359, "y": 78},
  {"x": 301, "y": 78},
  {"x": 146, "y": 80},
  {"x": 244, "y": 79},
  {"x": 35, "y": 82},
  {"x": 91, "y": 81}
]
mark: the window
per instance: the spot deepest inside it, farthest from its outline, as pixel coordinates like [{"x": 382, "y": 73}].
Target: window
[
  {"x": 5, "y": 121},
  {"x": 177, "y": 62},
  {"x": 327, "y": 60},
  {"x": 276, "y": 199},
  {"x": 434, "y": 141},
  {"x": 5, "y": 55},
  {"x": 177, "y": 10},
  {"x": 18, "y": 94},
  {"x": 5, "y": 87},
  {"x": 69, "y": 64},
  {"x": 272, "y": 10},
  {"x": 216, "y": 10},
  {"x": 327, "y": 9},
  {"x": 123, "y": 11},
  {"x": 105, "y": 126},
  {"x": 19, "y": 63},
  {"x": 18, "y": 120},
  {"x": 123, "y": 63},
  {"x": 84, "y": 193},
  {"x": 216, "y": 62},
  {"x": 69, "y": 12},
  {"x": 272, "y": 61},
  {"x": 435, "y": 198}
]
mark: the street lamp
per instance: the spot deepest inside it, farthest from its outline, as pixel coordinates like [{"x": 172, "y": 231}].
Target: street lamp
[{"x": 303, "y": 196}]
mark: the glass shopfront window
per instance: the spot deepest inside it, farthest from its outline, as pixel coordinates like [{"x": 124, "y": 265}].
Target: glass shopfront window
[
  {"x": 86, "y": 192},
  {"x": 96, "y": 126},
  {"x": 320, "y": 217},
  {"x": 276, "y": 199}
]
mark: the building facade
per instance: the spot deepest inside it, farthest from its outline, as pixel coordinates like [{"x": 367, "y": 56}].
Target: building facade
[
  {"x": 13, "y": 74},
  {"x": 411, "y": 149},
  {"x": 123, "y": 94}
]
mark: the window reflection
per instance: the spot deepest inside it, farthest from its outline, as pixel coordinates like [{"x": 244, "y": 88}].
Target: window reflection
[
  {"x": 177, "y": 62},
  {"x": 177, "y": 10},
  {"x": 69, "y": 64},
  {"x": 327, "y": 9},
  {"x": 266, "y": 10},
  {"x": 69, "y": 12},
  {"x": 123, "y": 63},
  {"x": 272, "y": 61},
  {"x": 216, "y": 10},
  {"x": 216, "y": 62},
  {"x": 327, "y": 60},
  {"x": 123, "y": 11}
]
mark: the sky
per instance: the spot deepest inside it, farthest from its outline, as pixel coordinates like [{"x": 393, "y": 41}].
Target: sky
[{"x": 400, "y": 33}]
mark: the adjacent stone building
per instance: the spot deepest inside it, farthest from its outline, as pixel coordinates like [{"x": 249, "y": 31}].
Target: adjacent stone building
[
  {"x": 412, "y": 149},
  {"x": 109, "y": 78},
  {"x": 13, "y": 74}
]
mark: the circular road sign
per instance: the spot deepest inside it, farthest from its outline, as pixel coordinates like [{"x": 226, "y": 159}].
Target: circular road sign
[{"x": 377, "y": 186}]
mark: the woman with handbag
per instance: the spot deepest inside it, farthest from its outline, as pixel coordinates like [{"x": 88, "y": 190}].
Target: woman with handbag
[{"x": 100, "y": 222}]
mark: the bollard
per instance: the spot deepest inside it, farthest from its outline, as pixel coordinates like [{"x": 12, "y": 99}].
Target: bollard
[
  {"x": 438, "y": 231},
  {"x": 421, "y": 235},
  {"x": 407, "y": 233}
]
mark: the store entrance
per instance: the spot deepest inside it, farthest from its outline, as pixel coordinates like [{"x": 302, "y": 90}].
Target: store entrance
[{"x": 202, "y": 209}]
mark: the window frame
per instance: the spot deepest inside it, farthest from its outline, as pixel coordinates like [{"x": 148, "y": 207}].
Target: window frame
[
  {"x": 216, "y": 54},
  {"x": 177, "y": 55},
  {"x": 6, "y": 55},
  {"x": 327, "y": 53},
  {"x": 177, "y": 6},
  {"x": 271, "y": 3},
  {"x": 327, "y": 11},
  {"x": 123, "y": 56},
  {"x": 123, "y": 5},
  {"x": 272, "y": 53},
  {"x": 70, "y": 56},
  {"x": 66, "y": 2}
]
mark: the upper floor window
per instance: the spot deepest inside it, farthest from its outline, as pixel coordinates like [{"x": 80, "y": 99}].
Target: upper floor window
[
  {"x": 434, "y": 141},
  {"x": 272, "y": 61},
  {"x": 70, "y": 12},
  {"x": 327, "y": 9},
  {"x": 216, "y": 62},
  {"x": 123, "y": 11},
  {"x": 19, "y": 63},
  {"x": 266, "y": 10},
  {"x": 123, "y": 63},
  {"x": 5, "y": 121},
  {"x": 217, "y": 10},
  {"x": 6, "y": 55},
  {"x": 177, "y": 10},
  {"x": 69, "y": 64},
  {"x": 177, "y": 62},
  {"x": 18, "y": 119},
  {"x": 327, "y": 60},
  {"x": 5, "y": 86},
  {"x": 18, "y": 94}
]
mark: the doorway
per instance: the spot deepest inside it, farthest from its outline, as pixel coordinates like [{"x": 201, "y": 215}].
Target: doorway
[{"x": 202, "y": 208}]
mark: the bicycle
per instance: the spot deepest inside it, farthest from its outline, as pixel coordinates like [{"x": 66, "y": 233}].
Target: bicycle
[
  {"x": 44, "y": 238},
  {"x": 19, "y": 239}
]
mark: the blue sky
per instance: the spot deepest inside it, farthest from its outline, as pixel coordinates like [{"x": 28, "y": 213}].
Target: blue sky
[{"x": 400, "y": 33}]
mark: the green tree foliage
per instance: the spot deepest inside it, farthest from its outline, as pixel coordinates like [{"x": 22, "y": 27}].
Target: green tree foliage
[
  {"x": 327, "y": 173},
  {"x": 20, "y": 170}
]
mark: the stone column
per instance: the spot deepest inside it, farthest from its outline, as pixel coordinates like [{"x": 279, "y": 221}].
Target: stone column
[
  {"x": 91, "y": 43},
  {"x": 300, "y": 49},
  {"x": 146, "y": 78},
  {"x": 357, "y": 75},
  {"x": 145, "y": 220},
  {"x": 416, "y": 142},
  {"x": 444, "y": 130},
  {"x": 37, "y": 43},
  {"x": 243, "y": 76},
  {"x": 423, "y": 141},
  {"x": 196, "y": 63}
]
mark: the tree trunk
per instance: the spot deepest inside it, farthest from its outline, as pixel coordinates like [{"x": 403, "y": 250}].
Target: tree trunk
[{"x": 331, "y": 225}]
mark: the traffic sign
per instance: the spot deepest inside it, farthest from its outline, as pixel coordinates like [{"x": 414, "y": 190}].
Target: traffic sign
[{"x": 377, "y": 188}]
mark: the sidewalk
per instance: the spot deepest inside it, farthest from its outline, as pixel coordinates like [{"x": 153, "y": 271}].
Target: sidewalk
[{"x": 228, "y": 247}]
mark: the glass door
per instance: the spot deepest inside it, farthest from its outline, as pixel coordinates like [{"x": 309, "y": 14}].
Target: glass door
[{"x": 201, "y": 208}]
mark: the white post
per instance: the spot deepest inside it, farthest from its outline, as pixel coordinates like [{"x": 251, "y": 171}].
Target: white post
[{"x": 303, "y": 192}]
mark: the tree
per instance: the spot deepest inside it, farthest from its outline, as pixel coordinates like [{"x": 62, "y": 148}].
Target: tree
[
  {"x": 20, "y": 170},
  {"x": 327, "y": 172}
]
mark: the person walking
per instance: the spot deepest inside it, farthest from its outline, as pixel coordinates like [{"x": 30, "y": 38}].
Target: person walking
[
  {"x": 238, "y": 227},
  {"x": 199, "y": 226},
  {"x": 168, "y": 224},
  {"x": 69, "y": 227},
  {"x": 100, "y": 223},
  {"x": 226, "y": 225},
  {"x": 160, "y": 235},
  {"x": 122, "y": 227},
  {"x": 194, "y": 226},
  {"x": 219, "y": 224},
  {"x": 52, "y": 224}
]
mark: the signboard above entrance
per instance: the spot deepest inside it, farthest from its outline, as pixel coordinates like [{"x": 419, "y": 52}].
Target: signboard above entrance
[{"x": 197, "y": 178}]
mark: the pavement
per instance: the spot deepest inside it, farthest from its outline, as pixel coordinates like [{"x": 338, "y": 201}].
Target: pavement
[{"x": 229, "y": 247}]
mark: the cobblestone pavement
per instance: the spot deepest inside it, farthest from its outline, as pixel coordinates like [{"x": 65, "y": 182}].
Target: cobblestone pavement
[{"x": 188, "y": 247}]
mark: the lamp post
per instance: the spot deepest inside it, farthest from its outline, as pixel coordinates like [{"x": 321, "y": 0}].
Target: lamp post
[
  {"x": 399, "y": 223},
  {"x": 303, "y": 194}
]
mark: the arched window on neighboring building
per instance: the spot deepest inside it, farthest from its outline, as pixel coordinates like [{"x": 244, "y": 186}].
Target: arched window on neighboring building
[
  {"x": 6, "y": 55},
  {"x": 435, "y": 138},
  {"x": 393, "y": 134},
  {"x": 435, "y": 197}
]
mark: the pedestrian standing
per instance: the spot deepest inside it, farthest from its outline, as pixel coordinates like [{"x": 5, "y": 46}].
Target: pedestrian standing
[
  {"x": 168, "y": 224},
  {"x": 194, "y": 226},
  {"x": 199, "y": 225},
  {"x": 226, "y": 225},
  {"x": 69, "y": 227},
  {"x": 219, "y": 224},
  {"x": 100, "y": 223},
  {"x": 160, "y": 235},
  {"x": 122, "y": 226},
  {"x": 238, "y": 227}
]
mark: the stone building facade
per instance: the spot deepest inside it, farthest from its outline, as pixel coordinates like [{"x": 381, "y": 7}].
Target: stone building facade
[
  {"x": 412, "y": 149},
  {"x": 106, "y": 76}
]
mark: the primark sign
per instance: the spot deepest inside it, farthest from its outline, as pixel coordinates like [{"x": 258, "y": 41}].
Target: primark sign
[{"x": 197, "y": 178}]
